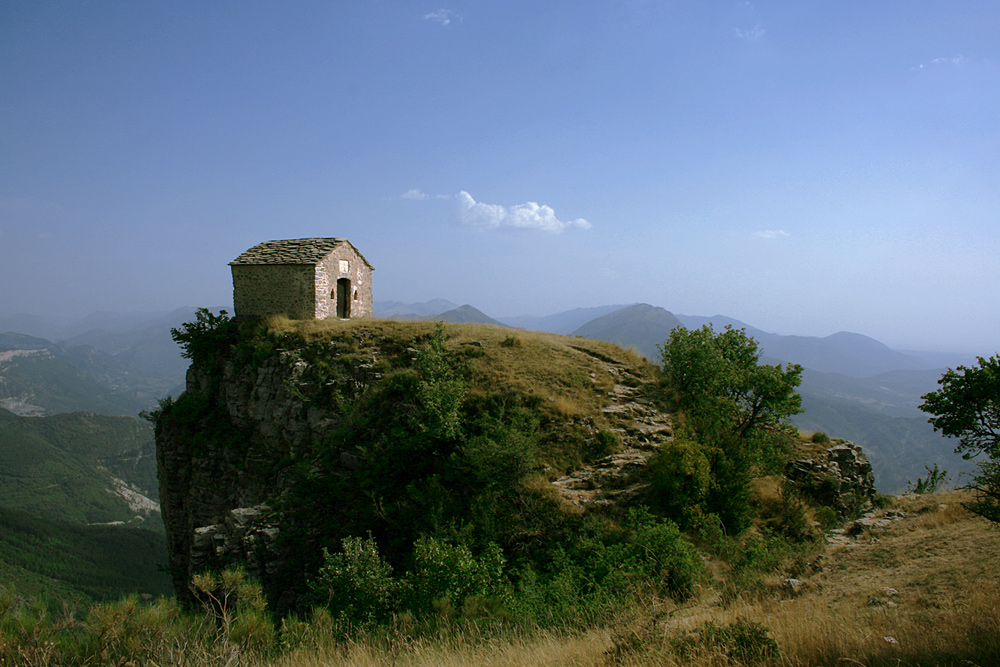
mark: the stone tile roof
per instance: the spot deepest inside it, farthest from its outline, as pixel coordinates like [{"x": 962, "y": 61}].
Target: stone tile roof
[{"x": 294, "y": 251}]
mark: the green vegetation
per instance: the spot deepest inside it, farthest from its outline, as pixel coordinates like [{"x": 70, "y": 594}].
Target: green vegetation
[
  {"x": 967, "y": 407},
  {"x": 62, "y": 467},
  {"x": 441, "y": 540},
  {"x": 76, "y": 562},
  {"x": 932, "y": 483},
  {"x": 736, "y": 429},
  {"x": 840, "y": 615}
]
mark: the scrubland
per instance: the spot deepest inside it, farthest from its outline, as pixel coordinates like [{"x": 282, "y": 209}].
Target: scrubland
[{"x": 922, "y": 589}]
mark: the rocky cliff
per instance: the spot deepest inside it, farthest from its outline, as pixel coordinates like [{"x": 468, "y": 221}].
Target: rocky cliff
[{"x": 286, "y": 441}]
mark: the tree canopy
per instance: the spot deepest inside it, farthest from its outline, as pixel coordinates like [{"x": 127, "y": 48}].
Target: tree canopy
[
  {"x": 719, "y": 381},
  {"x": 734, "y": 408},
  {"x": 967, "y": 407}
]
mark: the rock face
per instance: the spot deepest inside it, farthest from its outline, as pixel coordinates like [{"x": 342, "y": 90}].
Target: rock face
[
  {"x": 618, "y": 477},
  {"x": 217, "y": 471},
  {"x": 841, "y": 478}
]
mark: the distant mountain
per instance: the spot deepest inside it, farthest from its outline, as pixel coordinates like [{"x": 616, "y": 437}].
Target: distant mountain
[
  {"x": 641, "y": 326},
  {"x": 102, "y": 371},
  {"x": 718, "y": 322},
  {"x": 148, "y": 349},
  {"x": 896, "y": 393},
  {"x": 412, "y": 311},
  {"x": 79, "y": 467},
  {"x": 564, "y": 323},
  {"x": 42, "y": 381},
  {"x": 847, "y": 353},
  {"x": 465, "y": 315}
]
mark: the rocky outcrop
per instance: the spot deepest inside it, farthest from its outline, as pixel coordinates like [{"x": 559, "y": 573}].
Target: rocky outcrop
[
  {"x": 841, "y": 478},
  {"x": 618, "y": 477},
  {"x": 219, "y": 468}
]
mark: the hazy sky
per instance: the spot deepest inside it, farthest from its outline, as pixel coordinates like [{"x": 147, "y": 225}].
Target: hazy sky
[{"x": 807, "y": 167}]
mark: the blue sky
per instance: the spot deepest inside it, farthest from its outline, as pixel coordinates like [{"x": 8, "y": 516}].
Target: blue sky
[{"x": 807, "y": 167}]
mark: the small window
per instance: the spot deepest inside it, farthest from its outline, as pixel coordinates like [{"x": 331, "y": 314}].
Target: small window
[{"x": 355, "y": 295}]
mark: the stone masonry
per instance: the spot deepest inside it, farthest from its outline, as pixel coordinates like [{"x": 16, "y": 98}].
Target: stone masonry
[{"x": 303, "y": 279}]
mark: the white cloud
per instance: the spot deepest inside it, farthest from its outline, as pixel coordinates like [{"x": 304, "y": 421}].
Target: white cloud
[
  {"x": 943, "y": 62},
  {"x": 751, "y": 34},
  {"x": 415, "y": 193},
  {"x": 529, "y": 215},
  {"x": 443, "y": 16},
  {"x": 771, "y": 234}
]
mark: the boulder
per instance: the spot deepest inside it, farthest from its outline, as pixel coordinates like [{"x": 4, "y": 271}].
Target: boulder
[{"x": 840, "y": 478}]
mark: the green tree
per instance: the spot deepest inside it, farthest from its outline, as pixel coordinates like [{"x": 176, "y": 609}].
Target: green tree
[
  {"x": 967, "y": 407},
  {"x": 719, "y": 382},
  {"x": 735, "y": 407}
]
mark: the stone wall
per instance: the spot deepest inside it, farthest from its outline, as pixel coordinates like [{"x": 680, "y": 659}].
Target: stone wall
[
  {"x": 273, "y": 289},
  {"x": 332, "y": 269}
]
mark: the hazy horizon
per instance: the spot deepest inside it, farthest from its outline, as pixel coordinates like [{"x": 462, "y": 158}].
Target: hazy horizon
[
  {"x": 74, "y": 322},
  {"x": 804, "y": 168}
]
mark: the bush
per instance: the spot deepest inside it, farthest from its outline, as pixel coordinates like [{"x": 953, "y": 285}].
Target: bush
[
  {"x": 208, "y": 337},
  {"x": 932, "y": 483},
  {"x": 356, "y": 583},
  {"x": 744, "y": 641},
  {"x": 449, "y": 574},
  {"x": 680, "y": 477},
  {"x": 511, "y": 341},
  {"x": 604, "y": 444}
]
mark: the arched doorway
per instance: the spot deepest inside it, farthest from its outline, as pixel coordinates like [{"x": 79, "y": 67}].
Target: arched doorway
[{"x": 343, "y": 298}]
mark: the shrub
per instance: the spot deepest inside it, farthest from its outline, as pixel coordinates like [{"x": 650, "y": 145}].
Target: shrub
[
  {"x": 680, "y": 476},
  {"x": 744, "y": 641},
  {"x": 206, "y": 337},
  {"x": 604, "y": 444},
  {"x": 932, "y": 483},
  {"x": 511, "y": 341},
  {"x": 448, "y": 574},
  {"x": 356, "y": 583}
]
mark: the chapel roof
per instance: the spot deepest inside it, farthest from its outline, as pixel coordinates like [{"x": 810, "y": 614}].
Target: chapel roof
[{"x": 294, "y": 251}]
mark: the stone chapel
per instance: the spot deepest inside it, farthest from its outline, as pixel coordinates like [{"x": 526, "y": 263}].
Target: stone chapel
[{"x": 303, "y": 279}]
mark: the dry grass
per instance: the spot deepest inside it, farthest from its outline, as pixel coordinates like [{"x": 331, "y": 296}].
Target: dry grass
[
  {"x": 572, "y": 378},
  {"x": 552, "y": 365},
  {"x": 460, "y": 651},
  {"x": 924, "y": 590}
]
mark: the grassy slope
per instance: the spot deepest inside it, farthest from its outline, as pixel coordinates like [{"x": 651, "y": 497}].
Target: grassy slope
[
  {"x": 573, "y": 376},
  {"x": 61, "y": 466},
  {"x": 63, "y": 561}
]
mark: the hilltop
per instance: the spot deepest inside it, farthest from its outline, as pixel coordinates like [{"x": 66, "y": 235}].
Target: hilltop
[{"x": 297, "y": 436}]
